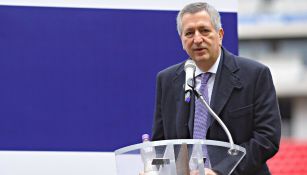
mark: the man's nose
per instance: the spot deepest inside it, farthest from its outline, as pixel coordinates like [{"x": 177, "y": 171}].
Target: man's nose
[{"x": 197, "y": 38}]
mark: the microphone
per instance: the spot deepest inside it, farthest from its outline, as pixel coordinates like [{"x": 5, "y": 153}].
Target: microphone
[{"x": 189, "y": 68}]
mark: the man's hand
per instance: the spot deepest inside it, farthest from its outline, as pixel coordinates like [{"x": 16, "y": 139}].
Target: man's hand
[{"x": 207, "y": 172}]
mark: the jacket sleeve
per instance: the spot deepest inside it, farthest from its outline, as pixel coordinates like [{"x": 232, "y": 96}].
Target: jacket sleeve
[
  {"x": 157, "y": 129},
  {"x": 265, "y": 139}
]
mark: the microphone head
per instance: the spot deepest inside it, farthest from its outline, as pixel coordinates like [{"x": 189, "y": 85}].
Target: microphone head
[
  {"x": 189, "y": 64},
  {"x": 189, "y": 68}
]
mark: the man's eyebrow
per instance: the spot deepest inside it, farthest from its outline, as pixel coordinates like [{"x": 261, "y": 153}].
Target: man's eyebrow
[{"x": 188, "y": 28}]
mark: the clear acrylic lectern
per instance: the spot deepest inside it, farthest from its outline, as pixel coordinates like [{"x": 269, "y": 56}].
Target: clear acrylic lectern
[{"x": 179, "y": 157}]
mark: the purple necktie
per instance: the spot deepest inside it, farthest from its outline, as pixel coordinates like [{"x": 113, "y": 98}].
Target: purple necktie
[{"x": 202, "y": 117}]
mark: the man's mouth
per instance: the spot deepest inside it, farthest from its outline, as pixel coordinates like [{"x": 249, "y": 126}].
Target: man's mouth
[{"x": 199, "y": 49}]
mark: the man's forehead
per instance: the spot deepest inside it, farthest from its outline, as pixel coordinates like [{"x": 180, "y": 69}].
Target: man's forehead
[
  {"x": 190, "y": 24},
  {"x": 193, "y": 17}
]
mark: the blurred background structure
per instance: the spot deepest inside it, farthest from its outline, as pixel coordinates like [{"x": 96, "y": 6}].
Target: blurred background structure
[{"x": 274, "y": 32}]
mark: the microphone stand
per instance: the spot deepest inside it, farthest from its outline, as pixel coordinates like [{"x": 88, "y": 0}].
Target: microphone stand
[{"x": 232, "y": 150}]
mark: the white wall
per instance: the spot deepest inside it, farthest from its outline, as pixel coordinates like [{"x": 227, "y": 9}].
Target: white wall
[
  {"x": 221, "y": 5},
  {"x": 56, "y": 163}
]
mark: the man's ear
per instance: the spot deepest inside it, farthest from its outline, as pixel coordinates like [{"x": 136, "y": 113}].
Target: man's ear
[
  {"x": 182, "y": 43},
  {"x": 221, "y": 35}
]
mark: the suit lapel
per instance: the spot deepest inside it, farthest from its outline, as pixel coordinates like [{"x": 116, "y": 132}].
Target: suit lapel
[{"x": 225, "y": 81}]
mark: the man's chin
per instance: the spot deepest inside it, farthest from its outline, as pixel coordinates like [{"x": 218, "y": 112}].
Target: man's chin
[{"x": 201, "y": 59}]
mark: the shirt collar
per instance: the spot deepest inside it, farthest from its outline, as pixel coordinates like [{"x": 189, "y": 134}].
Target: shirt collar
[{"x": 213, "y": 68}]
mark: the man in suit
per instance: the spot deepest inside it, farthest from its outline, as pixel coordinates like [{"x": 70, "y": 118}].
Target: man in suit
[{"x": 240, "y": 91}]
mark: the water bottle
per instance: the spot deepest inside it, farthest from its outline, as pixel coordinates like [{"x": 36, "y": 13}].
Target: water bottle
[{"x": 148, "y": 154}]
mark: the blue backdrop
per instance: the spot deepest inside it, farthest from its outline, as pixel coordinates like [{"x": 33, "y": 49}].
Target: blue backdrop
[{"x": 84, "y": 79}]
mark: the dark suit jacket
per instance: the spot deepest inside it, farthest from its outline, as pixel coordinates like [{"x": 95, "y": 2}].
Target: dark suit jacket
[{"x": 243, "y": 96}]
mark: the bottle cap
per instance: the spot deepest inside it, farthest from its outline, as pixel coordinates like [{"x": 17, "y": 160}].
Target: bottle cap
[{"x": 145, "y": 137}]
